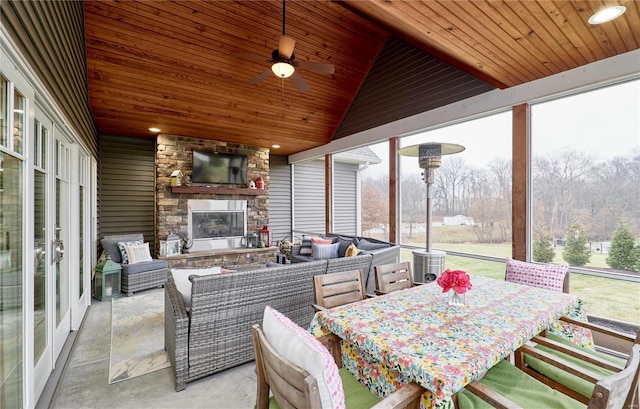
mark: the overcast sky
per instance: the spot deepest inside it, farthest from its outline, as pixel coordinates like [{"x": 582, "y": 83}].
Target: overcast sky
[{"x": 603, "y": 123}]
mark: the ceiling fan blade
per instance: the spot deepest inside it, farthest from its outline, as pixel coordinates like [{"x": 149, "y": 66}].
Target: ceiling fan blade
[
  {"x": 285, "y": 47},
  {"x": 250, "y": 57},
  {"x": 299, "y": 82},
  {"x": 261, "y": 77},
  {"x": 317, "y": 67}
]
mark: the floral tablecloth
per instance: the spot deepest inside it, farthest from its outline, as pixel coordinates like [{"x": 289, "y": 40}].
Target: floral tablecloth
[{"x": 414, "y": 335}]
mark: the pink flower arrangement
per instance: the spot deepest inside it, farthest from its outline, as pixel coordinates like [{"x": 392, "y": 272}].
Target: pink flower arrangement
[{"x": 456, "y": 279}]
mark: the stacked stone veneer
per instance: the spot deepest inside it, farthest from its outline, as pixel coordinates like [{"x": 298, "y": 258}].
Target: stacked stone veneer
[{"x": 175, "y": 152}]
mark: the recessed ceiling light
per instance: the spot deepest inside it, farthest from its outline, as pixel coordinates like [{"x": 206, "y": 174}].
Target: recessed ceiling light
[
  {"x": 154, "y": 130},
  {"x": 275, "y": 146},
  {"x": 607, "y": 14}
]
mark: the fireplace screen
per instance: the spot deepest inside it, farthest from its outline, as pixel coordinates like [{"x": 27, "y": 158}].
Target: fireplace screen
[
  {"x": 217, "y": 224},
  {"x": 212, "y": 225}
]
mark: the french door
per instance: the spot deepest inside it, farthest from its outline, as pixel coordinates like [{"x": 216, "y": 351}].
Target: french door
[
  {"x": 80, "y": 237},
  {"x": 46, "y": 235},
  {"x": 42, "y": 305},
  {"x": 60, "y": 261}
]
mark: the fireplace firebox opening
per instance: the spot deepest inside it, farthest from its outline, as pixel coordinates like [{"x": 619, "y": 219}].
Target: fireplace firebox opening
[{"x": 217, "y": 224}]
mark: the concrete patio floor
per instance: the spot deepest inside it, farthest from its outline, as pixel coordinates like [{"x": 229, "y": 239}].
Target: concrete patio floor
[{"x": 84, "y": 380}]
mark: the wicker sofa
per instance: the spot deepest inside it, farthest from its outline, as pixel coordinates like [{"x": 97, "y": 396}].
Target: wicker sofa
[
  {"x": 383, "y": 253},
  {"x": 215, "y": 333}
]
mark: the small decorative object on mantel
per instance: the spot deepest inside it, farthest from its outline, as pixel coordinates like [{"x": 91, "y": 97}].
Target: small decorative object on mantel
[
  {"x": 171, "y": 246},
  {"x": 185, "y": 240},
  {"x": 264, "y": 235},
  {"x": 458, "y": 281},
  {"x": 176, "y": 177},
  {"x": 252, "y": 185},
  {"x": 252, "y": 240},
  {"x": 259, "y": 182}
]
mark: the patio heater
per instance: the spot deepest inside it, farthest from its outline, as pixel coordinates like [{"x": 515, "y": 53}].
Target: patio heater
[{"x": 428, "y": 264}]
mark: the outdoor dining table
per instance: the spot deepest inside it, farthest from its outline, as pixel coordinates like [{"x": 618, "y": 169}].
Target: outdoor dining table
[{"x": 415, "y": 335}]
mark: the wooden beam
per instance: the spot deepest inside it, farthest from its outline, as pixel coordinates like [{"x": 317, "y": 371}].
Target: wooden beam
[
  {"x": 520, "y": 168},
  {"x": 393, "y": 188}
]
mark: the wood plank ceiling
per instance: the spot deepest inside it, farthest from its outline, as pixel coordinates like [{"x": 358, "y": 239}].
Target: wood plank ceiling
[{"x": 171, "y": 64}]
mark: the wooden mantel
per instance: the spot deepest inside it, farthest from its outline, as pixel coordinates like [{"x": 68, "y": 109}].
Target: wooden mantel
[{"x": 218, "y": 190}]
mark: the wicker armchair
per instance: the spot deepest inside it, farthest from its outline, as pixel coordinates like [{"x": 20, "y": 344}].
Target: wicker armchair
[{"x": 139, "y": 276}]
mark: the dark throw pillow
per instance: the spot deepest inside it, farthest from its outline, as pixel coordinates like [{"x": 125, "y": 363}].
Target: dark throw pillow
[{"x": 365, "y": 244}]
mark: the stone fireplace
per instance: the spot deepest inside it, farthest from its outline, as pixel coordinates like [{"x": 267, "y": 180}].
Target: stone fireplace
[
  {"x": 217, "y": 224},
  {"x": 172, "y": 204}
]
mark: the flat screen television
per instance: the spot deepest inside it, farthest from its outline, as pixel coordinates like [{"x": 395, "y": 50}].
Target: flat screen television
[{"x": 214, "y": 167}]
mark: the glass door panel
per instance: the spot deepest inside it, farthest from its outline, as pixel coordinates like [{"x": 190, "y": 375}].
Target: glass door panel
[
  {"x": 40, "y": 264},
  {"x": 81, "y": 264},
  {"x": 60, "y": 238},
  {"x": 4, "y": 111},
  {"x": 11, "y": 250},
  {"x": 13, "y": 106}
]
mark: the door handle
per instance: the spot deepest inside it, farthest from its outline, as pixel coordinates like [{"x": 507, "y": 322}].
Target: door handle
[{"x": 58, "y": 250}]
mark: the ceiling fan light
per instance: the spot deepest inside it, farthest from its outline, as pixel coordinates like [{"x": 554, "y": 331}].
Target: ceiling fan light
[
  {"x": 282, "y": 69},
  {"x": 607, "y": 14}
]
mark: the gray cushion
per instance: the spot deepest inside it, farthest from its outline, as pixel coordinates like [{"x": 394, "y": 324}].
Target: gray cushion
[
  {"x": 300, "y": 259},
  {"x": 110, "y": 244},
  {"x": 365, "y": 244},
  {"x": 144, "y": 266},
  {"x": 344, "y": 244},
  {"x": 110, "y": 247}
]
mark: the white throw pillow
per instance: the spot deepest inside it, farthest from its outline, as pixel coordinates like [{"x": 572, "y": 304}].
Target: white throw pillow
[
  {"x": 123, "y": 250},
  {"x": 300, "y": 347},
  {"x": 183, "y": 284},
  {"x": 137, "y": 253}
]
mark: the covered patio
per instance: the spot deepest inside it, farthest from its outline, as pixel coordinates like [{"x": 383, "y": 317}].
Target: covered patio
[{"x": 103, "y": 101}]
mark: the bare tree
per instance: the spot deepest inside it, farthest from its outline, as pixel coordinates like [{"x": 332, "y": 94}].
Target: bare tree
[
  {"x": 449, "y": 183},
  {"x": 560, "y": 182},
  {"x": 375, "y": 207},
  {"x": 488, "y": 202},
  {"x": 615, "y": 192},
  {"x": 414, "y": 194}
]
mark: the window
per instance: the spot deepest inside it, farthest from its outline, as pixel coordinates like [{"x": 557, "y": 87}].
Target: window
[
  {"x": 471, "y": 192},
  {"x": 374, "y": 191},
  {"x": 585, "y": 189}
]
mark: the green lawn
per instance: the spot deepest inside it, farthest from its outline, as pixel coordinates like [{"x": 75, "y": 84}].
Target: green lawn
[{"x": 615, "y": 299}]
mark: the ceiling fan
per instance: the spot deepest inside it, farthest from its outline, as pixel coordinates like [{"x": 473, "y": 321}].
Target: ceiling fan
[{"x": 284, "y": 61}]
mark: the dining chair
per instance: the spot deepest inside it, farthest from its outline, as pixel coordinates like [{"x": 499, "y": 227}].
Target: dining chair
[
  {"x": 570, "y": 380},
  {"x": 334, "y": 289},
  {"x": 302, "y": 371},
  {"x": 506, "y": 386},
  {"x": 393, "y": 277},
  {"x": 554, "y": 277}
]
